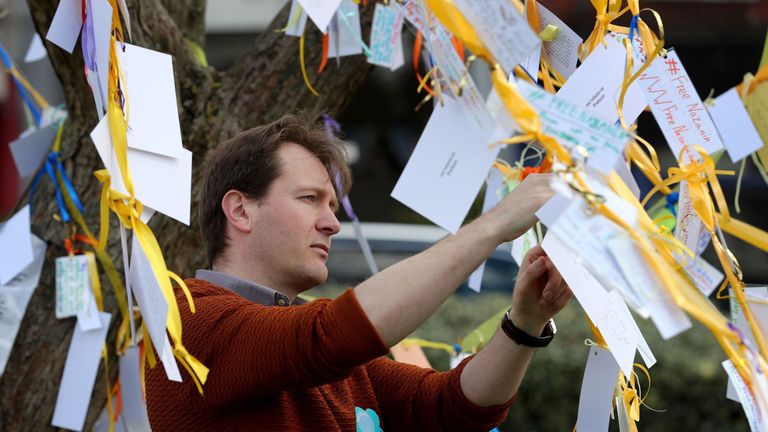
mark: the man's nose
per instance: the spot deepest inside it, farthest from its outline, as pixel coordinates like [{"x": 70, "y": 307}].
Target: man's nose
[{"x": 329, "y": 223}]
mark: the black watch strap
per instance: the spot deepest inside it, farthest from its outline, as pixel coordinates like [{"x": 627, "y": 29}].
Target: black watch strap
[{"x": 522, "y": 338}]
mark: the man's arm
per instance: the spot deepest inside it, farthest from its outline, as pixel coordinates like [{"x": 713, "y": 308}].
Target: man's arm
[
  {"x": 495, "y": 373},
  {"x": 400, "y": 298}
]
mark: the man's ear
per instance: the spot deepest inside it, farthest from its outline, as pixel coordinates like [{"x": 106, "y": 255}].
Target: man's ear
[{"x": 234, "y": 206}]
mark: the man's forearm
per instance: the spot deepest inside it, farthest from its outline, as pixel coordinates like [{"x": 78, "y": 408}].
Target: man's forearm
[
  {"x": 494, "y": 375},
  {"x": 401, "y": 297}
]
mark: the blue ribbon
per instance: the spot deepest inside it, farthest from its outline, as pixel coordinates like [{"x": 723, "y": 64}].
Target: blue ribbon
[
  {"x": 632, "y": 30},
  {"x": 672, "y": 202},
  {"x": 8, "y": 63},
  {"x": 53, "y": 164}
]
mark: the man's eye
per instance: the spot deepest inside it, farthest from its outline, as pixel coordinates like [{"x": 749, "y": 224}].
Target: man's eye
[{"x": 309, "y": 197}]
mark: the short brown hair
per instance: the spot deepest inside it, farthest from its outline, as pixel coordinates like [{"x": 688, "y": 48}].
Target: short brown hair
[{"x": 249, "y": 164}]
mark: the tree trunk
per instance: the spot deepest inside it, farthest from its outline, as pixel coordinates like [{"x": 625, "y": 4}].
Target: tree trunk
[{"x": 213, "y": 105}]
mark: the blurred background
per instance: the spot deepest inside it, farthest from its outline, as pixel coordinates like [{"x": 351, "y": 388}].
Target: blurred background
[{"x": 717, "y": 40}]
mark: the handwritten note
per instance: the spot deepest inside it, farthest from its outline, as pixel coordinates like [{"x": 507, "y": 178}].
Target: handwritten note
[
  {"x": 386, "y": 43},
  {"x": 562, "y": 52},
  {"x": 604, "y": 308},
  {"x": 502, "y": 29},
  {"x": 573, "y": 126},
  {"x": 677, "y": 108},
  {"x": 72, "y": 285}
]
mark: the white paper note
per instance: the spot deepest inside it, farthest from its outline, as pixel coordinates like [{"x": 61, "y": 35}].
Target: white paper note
[
  {"x": 459, "y": 80},
  {"x": 751, "y": 410},
  {"x": 344, "y": 33},
  {"x": 706, "y": 276},
  {"x": 15, "y": 245},
  {"x": 596, "y": 84},
  {"x": 102, "y": 29},
  {"x": 734, "y": 125},
  {"x": 153, "y": 118},
  {"x": 154, "y": 307},
  {"x": 756, "y": 298},
  {"x": 522, "y": 244},
  {"x": 669, "y": 319},
  {"x": 386, "y": 43},
  {"x": 72, "y": 285},
  {"x": 31, "y": 150},
  {"x": 134, "y": 411},
  {"x": 66, "y": 24},
  {"x": 493, "y": 183},
  {"x": 36, "y": 50},
  {"x": 160, "y": 182},
  {"x": 502, "y": 29},
  {"x": 563, "y": 51},
  {"x": 572, "y": 126},
  {"x": 297, "y": 20},
  {"x": 79, "y": 375},
  {"x": 600, "y": 378},
  {"x": 677, "y": 107},
  {"x": 604, "y": 309},
  {"x": 14, "y": 298},
  {"x": 447, "y": 167},
  {"x": 88, "y": 319},
  {"x": 320, "y": 11}
]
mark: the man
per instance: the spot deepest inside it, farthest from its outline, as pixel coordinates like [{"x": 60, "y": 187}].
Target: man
[{"x": 267, "y": 215}]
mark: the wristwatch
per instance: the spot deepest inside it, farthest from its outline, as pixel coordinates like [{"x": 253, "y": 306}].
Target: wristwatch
[{"x": 522, "y": 338}]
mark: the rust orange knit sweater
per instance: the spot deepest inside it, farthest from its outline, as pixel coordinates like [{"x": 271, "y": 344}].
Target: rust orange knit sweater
[{"x": 301, "y": 368}]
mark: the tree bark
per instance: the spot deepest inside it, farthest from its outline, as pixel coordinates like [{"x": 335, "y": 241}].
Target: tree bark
[{"x": 213, "y": 105}]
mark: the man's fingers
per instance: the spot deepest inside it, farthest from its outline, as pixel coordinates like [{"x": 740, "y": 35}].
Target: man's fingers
[
  {"x": 534, "y": 269},
  {"x": 533, "y": 254},
  {"x": 554, "y": 285}
]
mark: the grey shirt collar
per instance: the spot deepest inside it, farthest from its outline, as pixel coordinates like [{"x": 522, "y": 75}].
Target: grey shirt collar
[{"x": 247, "y": 289}]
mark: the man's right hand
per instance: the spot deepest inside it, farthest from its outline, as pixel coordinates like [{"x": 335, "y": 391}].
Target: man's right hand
[{"x": 515, "y": 214}]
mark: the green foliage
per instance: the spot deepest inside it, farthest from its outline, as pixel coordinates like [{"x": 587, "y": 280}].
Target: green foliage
[{"x": 688, "y": 382}]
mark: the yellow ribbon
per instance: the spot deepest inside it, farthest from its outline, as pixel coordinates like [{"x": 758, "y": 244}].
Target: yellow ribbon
[
  {"x": 304, "y": 67},
  {"x": 128, "y": 210},
  {"x": 607, "y": 11},
  {"x": 429, "y": 344}
]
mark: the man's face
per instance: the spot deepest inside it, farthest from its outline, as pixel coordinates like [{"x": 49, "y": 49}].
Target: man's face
[{"x": 293, "y": 224}]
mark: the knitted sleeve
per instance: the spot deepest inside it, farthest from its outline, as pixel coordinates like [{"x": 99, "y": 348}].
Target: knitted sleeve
[
  {"x": 414, "y": 398},
  {"x": 254, "y": 351}
]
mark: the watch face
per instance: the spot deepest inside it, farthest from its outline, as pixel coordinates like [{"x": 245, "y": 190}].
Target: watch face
[{"x": 553, "y": 326}]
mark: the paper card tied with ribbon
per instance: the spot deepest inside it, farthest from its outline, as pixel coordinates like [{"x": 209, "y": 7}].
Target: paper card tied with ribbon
[
  {"x": 344, "y": 32},
  {"x": 731, "y": 118},
  {"x": 596, "y": 85},
  {"x": 677, "y": 107},
  {"x": 458, "y": 79},
  {"x": 320, "y": 11},
  {"x": 386, "y": 37},
  {"x": 72, "y": 285},
  {"x": 572, "y": 126},
  {"x": 502, "y": 28},
  {"x": 605, "y": 309},
  {"x": 562, "y": 52}
]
